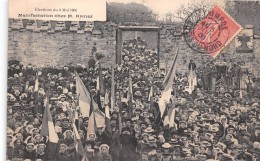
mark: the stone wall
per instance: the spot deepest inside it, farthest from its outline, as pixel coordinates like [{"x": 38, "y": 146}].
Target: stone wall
[
  {"x": 61, "y": 49},
  {"x": 229, "y": 54},
  {"x": 57, "y": 49}
]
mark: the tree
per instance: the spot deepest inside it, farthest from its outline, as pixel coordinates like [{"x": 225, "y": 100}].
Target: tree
[
  {"x": 130, "y": 12},
  {"x": 184, "y": 11}
]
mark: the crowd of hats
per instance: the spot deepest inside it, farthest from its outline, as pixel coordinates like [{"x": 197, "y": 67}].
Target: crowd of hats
[
  {"x": 136, "y": 54},
  {"x": 209, "y": 125}
]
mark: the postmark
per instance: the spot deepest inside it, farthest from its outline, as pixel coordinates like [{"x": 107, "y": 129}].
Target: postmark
[
  {"x": 190, "y": 23},
  {"x": 213, "y": 32}
]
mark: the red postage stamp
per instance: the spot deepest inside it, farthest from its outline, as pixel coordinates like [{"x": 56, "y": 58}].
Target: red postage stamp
[{"x": 215, "y": 31}]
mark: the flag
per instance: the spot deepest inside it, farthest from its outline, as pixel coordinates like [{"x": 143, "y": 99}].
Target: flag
[
  {"x": 92, "y": 126},
  {"x": 240, "y": 94},
  {"x": 150, "y": 93},
  {"x": 112, "y": 100},
  {"x": 77, "y": 141},
  {"x": 99, "y": 117},
  {"x": 47, "y": 128},
  {"x": 107, "y": 113},
  {"x": 36, "y": 85},
  {"x": 101, "y": 81},
  {"x": 84, "y": 97},
  {"x": 107, "y": 120},
  {"x": 171, "y": 116},
  {"x": 85, "y": 101},
  {"x": 106, "y": 100},
  {"x": 120, "y": 125},
  {"x": 26, "y": 86},
  {"x": 36, "y": 94},
  {"x": 167, "y": 83},
  {"x": 192, "y": 80},
  {"x": 98, "y": 86},
  {"x": 130, "y": 97},
  {"x": 100, "y": 89},
  {"x": 98, "y": 95},
  {"x": 166, "y": 120}
]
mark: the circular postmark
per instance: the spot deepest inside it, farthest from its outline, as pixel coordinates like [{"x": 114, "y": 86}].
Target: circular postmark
[
  {"x": 192, "y": 20},
  {"x": 204, "y": 33}
]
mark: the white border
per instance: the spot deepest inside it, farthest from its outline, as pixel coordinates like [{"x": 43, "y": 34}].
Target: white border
[{"x": 3, "y": 75}]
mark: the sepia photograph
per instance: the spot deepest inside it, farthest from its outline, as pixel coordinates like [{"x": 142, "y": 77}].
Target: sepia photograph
[{"x": 157, "y": 81}]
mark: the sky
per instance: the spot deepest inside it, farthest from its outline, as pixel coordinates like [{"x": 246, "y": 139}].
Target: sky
[{"x": 162, "y": 7}]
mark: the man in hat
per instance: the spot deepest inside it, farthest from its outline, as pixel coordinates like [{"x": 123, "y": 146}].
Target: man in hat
[
  {"x": 166, "y": 156},
  {"x": 10, "y": 120},
  {"x": 115, "y": 144},
  {"x": 113, "y": 122},
  {"x": 137, "y": 113},
  {"x": 213, "y": 76},
  {"x": 88, "y": 151},
  {"x": 58, "y": 128},
  {"x": 30, "y": 152},
  {"x": 182, "y": 127},
  {"x": 69, "y": 141},
  {"x": 203, "y": 149},
  {"x": 129, "y": 144},
  {"x": 9, "y": 147},
  {"x": 103, "y": 136},
  {"x": 192, "y": 65},
  {"x": 244, "y": 155},
  {"x": 82, "y": 137},
  {"x": 63, "y": 103},
  {"x": 103, "y": 153},
  {"x": 143, "y": 125},
  {"x": 252, "y": 125},
  {"x": 150, "y": 145},
  {"x": 62, "y": 153},
  {"x": 62, "y": 116},
  {"x": 143, "y": 142},
  {"x": 84, "y": 125},
  {"x": 40, "y": 152},
  {"x": 19, "y": 148},
  {"x": 128, "y": 124},
  {"x": 256, "y": 135},
  {"x": 255, "y": 150},
  {"x": 242, "y": 129},
  {"x": 65, "y": 125}
]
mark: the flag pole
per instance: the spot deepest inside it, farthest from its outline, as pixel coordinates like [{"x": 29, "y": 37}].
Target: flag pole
[
  {"x": 112, "y": 97},
  {"x": 130, "y": 96},
  {"x": 36, "y": 95},
  {"x": 152, "y": 94},
  {"x": 78, "y": 112},
  {"x": 119, "y": 114},
  {"x": 47, "y": 95}
]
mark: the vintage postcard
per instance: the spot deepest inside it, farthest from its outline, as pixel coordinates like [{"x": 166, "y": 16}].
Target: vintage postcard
[{"x": 133, "y": 80}]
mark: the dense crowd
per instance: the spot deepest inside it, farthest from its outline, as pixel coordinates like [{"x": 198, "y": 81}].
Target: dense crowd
[
  {"x": 136, "y": 54},
  {"x": 212, "y": 123}
]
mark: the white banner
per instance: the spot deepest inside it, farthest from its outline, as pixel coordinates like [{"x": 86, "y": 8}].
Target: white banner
[{"x": 59, "y": 10}]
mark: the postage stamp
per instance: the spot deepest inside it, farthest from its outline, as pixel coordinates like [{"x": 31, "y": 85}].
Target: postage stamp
[{"x": 215, "y": 31}]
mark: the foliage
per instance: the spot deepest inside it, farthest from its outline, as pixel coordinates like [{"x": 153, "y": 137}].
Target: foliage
[{"x": 130, "y": 12}]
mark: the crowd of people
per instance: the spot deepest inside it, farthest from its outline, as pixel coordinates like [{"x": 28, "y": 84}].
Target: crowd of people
[
  {"x": 137, "y": 54},
  {"x": 212, "y": 123}
]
